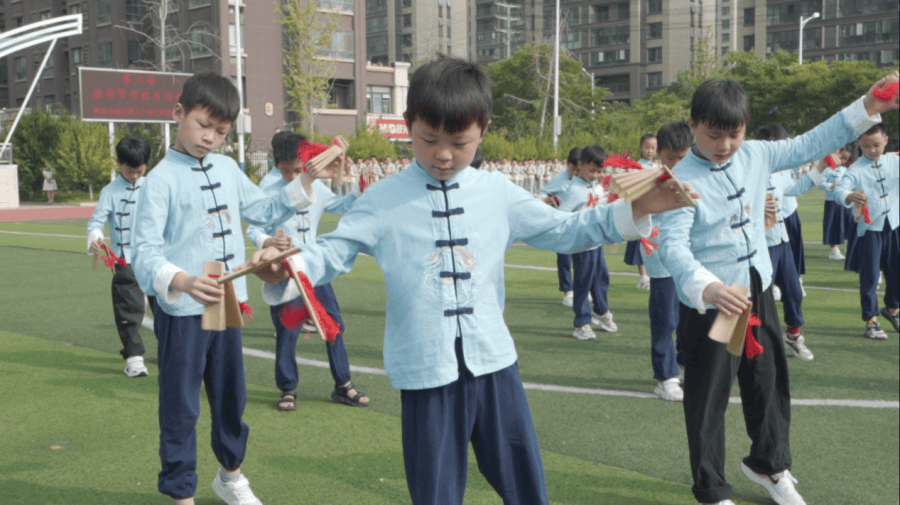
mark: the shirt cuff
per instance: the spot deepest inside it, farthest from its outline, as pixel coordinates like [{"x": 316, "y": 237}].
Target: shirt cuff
[
  {"x": 163, "y": 281},
  {"x": 297, "y": 196},
  {"x": 816, "y": 176},
  {"x": 261, "y": 240},
  {"x": 627, "y": 227},
  {"x": 842, "y": 198},
  {"x": 695, "y": 286},
  {"x": 278, "y": 293},
  {"x": 92, "y": 237},
  {"x": 859, "y": 119}
]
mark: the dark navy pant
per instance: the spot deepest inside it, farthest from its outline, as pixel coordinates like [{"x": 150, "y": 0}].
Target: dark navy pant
[
  {"x": 709, "y": 373},
  {"x": 878, "y": 250},
  {"x": 564, "y": 271},
  {"x": 664, "y": 313},
  {"x": 128, "y": 309},
  {"x": 492, "y": 412},
  {"x": 784, "y": 275},
  {"x": 188, "y": 356},
  {"x": 286, "y": 376},
  {"x": 591, "y": 276},
  {"x": 795, "y": 235}
]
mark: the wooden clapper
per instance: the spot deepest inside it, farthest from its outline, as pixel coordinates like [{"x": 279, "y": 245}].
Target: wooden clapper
[
  {"x": 636, "y": 183},
  {"x": 227, "y": 312},
  {"x": 732, "y": 330}
]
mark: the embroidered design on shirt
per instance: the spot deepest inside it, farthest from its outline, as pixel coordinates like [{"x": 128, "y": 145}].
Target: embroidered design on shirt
[{"x": 465, "y": 289}]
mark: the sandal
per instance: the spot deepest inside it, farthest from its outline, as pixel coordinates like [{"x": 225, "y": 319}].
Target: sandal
[
  {"x": 288, "y": 401},
  {"x": 341, "y": 394}
]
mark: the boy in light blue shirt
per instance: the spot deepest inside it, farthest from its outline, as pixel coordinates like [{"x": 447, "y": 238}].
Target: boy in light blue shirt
[
  {"x": 191, "y": 207},
  {"x": 440, "y": 231},
  {"x": 117, "y": 205},
  {"x": 873, "y": 183},
  {"x": 648, "y": 148},
  {"x": 560, "y": 184},
  {"x": 715, "y": 249}
]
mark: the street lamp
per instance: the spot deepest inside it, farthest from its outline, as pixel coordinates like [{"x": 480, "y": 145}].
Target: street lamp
[
  {"x": 815, "y": 15},
  {"x": 591, "y": 75},
  {"x": 556, "y": 121}
]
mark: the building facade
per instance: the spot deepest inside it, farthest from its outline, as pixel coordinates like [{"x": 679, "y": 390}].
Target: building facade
[{"x": 201, "y": 36}]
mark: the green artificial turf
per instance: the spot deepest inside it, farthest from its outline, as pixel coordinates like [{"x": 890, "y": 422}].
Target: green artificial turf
[{"x": 841, "y": 454}]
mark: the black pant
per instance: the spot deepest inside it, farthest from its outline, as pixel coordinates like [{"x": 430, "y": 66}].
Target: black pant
[
  {"x": 765, "y": 395},
  {"x": 128, "y": 308}
]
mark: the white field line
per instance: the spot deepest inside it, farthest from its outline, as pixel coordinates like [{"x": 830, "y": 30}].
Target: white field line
[{"x": 811, "y": 402}]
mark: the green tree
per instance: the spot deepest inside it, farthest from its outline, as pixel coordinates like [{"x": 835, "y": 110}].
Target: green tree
[
  {"x": 151, "y": 133},
  {"x": 307, "y": 33},
  {"x": 35, "y": 138},
  {"x": 369, "y": 142},
  {"x": 82, "y": 157}
]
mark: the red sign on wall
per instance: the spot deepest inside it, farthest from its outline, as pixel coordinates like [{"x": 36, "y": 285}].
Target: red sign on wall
[
  {"x": 394, "y": 129},
  {"x": 129, "y": 96}
]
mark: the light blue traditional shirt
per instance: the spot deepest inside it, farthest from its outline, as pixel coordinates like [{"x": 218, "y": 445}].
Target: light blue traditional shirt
[
  {"x": 723, "y": 236},
  {"x": 441, "y": 247},
  {"x": 558, "y": 184},
  {"x": 302, "y": 226},
  {"x": 118, "y": 205},
  {"x": 191, "y": 212},
  {"x": 832, "y": 176},
  {"x": 783, "y": 185},
  {"x": 879, "y": 182},
  {"x": 647, "y": 163}
]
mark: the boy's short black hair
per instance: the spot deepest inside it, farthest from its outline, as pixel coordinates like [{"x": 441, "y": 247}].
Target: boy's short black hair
[
  {"x": 593, "y": 154},
  {"x": 478, "y": 159},
  {"x": 771, "y": 131},
  {"x": 450, "y": 93},
  {"x": 721, "y": 104},
  {"x": 284, "y": 148},
  {"x": 880, "y": 127},
  {"x": 133, "y": 151},
  {"x": 676, "y": 136},
  {"x": 278, "y": 136},
  {"x": 213, "y": 91},
  {"x": 574, "y": 155},
  {"x": 645, "y": 137}
]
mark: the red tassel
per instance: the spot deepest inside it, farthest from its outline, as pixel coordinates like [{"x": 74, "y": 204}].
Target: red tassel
[
  {"x": 649, "y": 245},
  {"x": 887, "y": 92},
  {"x": 362, "y": 184},
  {"x": 752, "y": 346},
  {"x": 612, "y": 197},
  {"x": 605, "y": 181},
  {"x": 865, "y": 214},
  {"x": 247, "y": 310},
  {"x": 830, "y": 162},
  {"x": 556, "y": 202},
  {"x": 307, "y": 151},
  {"x": 295, "y": 316},
  {"x": 621, "y": 161},
  {"x": 110, "y": 260},
  {"x": 593, "y": 200},
  {"x": 663, "y": 178}
]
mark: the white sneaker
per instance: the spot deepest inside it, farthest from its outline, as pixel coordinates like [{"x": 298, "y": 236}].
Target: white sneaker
[
  {"x": 585, "y": 333},
  {"x": 782, "y": 491},
  {"x": 802, "y": 290},
  {"x": 644, "y": 283},
  {"x": 234, "y": 493},
  {"x": 723, "y": 502},
  {"x": 776, "y": 292},
  {"x": 604, "y": 322},
  {"x": 308, "y": 327},
  {"x": 134, "y": 367},
  {"x": 669, "y": 390},
  {"x": 796, "y": 344},
  {"x": 835, "y": 254},
  {"x": 569, "y": 298},
  {"x": 147, "y": 323}
]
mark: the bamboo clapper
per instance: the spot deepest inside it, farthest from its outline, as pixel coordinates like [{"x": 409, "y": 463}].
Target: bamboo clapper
[
  {"x": 325, "y": 158},
  {"x": 732, "y": 330},
  {"x": 634, "y": 184}
]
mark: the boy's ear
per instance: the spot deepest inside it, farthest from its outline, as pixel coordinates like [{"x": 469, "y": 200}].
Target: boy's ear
[{"x": 178, "y": 112}]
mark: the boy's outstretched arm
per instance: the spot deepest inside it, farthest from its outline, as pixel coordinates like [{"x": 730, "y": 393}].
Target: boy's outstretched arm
[{"x": 663, "y": 197}]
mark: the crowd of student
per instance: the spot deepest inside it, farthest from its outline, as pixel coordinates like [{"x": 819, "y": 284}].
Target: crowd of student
[{"x": 439, "y": 230}]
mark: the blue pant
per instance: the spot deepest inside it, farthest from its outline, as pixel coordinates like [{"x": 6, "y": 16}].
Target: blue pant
[
  {"x": 286, "y": 376},
  {"x": 564, "y": 271},
  {"x": 591, "y": 275},
  {"x": 784, "y": 275},
  {"x": 878, "y": 250},
  {"x": 188, "y": 356},
  {"x": 795, "y": 235},
  {"x": 492, "y": 412},
  {"x": 664, "y": 314}
]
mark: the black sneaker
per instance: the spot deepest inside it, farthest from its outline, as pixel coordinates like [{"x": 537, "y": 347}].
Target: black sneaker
[
  {"x": 874, "y": 332},
  {"x": 893, "y": 317}
]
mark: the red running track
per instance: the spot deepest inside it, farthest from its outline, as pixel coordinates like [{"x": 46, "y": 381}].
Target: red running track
[{"x": 45, "y": 213}]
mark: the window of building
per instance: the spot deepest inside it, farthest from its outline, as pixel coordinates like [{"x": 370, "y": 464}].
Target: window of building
[
  {"x": 104, "y": 54},
  {"x": 750, "y": 16},
  {"x": 610, "y": 35},
  {"x": 654, "y": 6},
  {"x": 654, "y": 80},
  {"x": 601, "y": 14},
  {"x": 232, "y": 36},
  {"x": 654, "y": 55},
  {"x": 830, "y": 37},
  {"x": 4, "y": 72},
  {"x": 616, "y": 83},
  {"x": 17, "y": 22},
  {"x": 76, "y": 56},
  {"x": 104, "y": 12},
  {"x": 788, "y": 40},
  {"x": 198, "y": 3},
  {"x": 173, "y": 5},
  {"x": 440, "y": 11},
  {"x": 375, "y": 6},
  {"x": 377, "y": 24},
  {"x": 654, "y": 30},
  {"x": 173, "y": 52},
  {"x": 866, "y": 7},
  {"x": 749, "y": 42},
  {"x": 49, "y": 68},
  {"x": 135, "y": 53},
  {"x": 50, "y": 102},
  {"x": 623, "y": 11},
  {"x": 726, "y": 10},
  {"x": 45, "y": 15},
  {"x": 613, "y": 57},
  {"x": 376, "y": 44},
  {"x": 134, "y": 11},
  {"x": 726, "y": 24},
  {"x": 788, "y": 13},
  {"x": 407, "y": 20},
  {"x": 200, "y": 42},
  {"x": 726, "y": 37},
  {"x": 341, "y": 46},
  {"x": 870, "y": 32},
  {"x": 724, "y": 50}
]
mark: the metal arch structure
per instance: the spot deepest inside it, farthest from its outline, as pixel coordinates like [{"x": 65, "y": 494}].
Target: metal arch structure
[{"x": 33, "y": 34}]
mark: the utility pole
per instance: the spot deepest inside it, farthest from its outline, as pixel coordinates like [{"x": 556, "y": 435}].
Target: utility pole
[
  {"x": 509, "y": 20},
  {"x": 556, "y": 120},
  {"x": 240, "y": 56}
]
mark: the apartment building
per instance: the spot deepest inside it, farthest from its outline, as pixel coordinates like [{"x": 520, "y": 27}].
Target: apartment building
[{"x": 206, "y": 37}]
